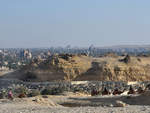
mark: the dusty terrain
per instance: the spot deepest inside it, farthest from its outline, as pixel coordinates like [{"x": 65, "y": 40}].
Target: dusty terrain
[
  {"x": 81, "y": 68},
  {"x": 85, "y": 68},
  {"x": 71, "y": 103}
]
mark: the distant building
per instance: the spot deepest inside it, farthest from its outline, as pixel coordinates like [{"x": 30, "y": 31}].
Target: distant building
[
  {"x": 3, "y": 68},
  {"x": 49, "y": 53},
  {"x": 26, "y": 54},
  {"x": 1, "y": 51}
]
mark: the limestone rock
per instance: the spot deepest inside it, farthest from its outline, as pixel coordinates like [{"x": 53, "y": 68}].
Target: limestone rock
[{"x": 120, "y": 104}]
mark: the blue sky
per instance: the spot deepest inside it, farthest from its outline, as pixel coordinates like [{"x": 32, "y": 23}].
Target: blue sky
[{"x": 45, "y": 23}]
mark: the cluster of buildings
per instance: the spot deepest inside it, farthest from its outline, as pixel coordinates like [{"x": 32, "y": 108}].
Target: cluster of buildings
[
  {"x": 25, "y": 54},
  {"x": 14, "y": 58}
]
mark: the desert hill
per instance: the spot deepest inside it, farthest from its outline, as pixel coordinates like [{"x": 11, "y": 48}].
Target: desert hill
[{"x": 84, "y": 68}]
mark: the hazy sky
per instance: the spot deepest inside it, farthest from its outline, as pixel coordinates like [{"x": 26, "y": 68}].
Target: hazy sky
[{"x": 45, "y": 23}]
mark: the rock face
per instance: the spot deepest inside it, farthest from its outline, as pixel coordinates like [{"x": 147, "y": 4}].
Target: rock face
[
  {"x": 83, "y": 68},
  {"x": 55, "y": 68},
  {"x": 109, "y": 69}
]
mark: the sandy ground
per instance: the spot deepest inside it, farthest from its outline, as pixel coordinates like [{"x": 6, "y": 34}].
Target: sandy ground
[
  {"x": 76, "y": 104},
  {"x": 9, "y": 108}
]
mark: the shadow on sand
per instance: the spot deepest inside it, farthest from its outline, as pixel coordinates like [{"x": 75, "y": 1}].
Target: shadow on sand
[{"x": 104, "y": 101}]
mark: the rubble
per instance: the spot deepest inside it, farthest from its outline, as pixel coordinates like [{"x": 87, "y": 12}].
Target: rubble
[{"x": 120, "y": 104}]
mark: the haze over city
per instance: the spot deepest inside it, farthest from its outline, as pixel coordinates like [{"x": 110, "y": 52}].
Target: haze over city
[
  {"x": 36, "y": 23},
  {"x": 74, "y": 56}
]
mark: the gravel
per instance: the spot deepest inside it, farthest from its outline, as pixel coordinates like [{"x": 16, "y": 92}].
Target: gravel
[
  {"x": 51, "y": 105},
  {"x": 42, "y": 109}
]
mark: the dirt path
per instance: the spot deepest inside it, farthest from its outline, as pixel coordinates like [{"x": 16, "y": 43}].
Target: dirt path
[
  {"x": 24, "y": 108},
  {"x": 53, "y": 104}
]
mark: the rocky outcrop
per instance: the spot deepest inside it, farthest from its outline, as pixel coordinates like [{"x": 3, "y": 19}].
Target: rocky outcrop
[
  {"x": 83, "y": 68},
  {"x": 108, "y": 72},
  {"x": 58, "y": 67}
]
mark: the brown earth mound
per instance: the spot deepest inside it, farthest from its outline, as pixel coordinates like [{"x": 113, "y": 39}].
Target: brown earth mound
[{"x": 83, "y": 68}]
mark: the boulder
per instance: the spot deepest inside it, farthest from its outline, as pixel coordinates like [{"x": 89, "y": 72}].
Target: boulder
[{"x": 120, "y": 104}]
